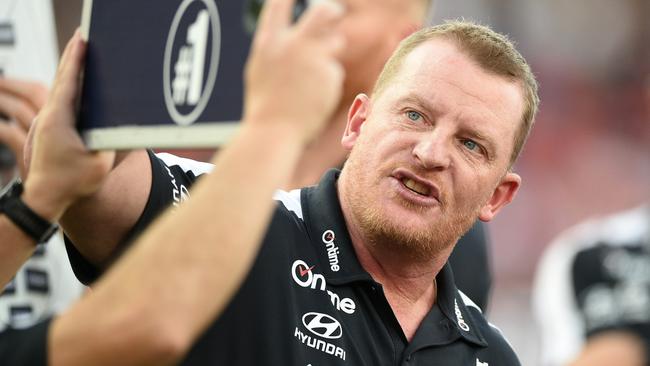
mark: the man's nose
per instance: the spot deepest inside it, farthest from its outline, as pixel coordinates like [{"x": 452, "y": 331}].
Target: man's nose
[{"x": 433, "y": 150}]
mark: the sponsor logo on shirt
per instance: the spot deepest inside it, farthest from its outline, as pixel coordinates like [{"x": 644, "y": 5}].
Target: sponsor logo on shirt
[
  {"x": 332, "y": 250},
  {"x": 321, "y": 325},
  {"x": 459, "y": 317},
  {"x": 179, "y": 194},
  {"x": 479, "y": 363},
  {"x": 304, "y": 276}
]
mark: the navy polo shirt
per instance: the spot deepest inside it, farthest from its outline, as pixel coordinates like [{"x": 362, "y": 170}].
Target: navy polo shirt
[{"x": 308, "y": 301}]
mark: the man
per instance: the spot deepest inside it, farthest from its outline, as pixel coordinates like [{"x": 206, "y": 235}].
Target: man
[
  {"x": 163, "y": 313},
  {"x": 353, "y": 271},
  {"x": 374, "y": 29},
  {"x": 592, "y": 292}
]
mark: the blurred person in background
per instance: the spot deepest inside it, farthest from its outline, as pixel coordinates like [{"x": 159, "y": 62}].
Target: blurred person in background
[
  {"x": 45, "y": 285},
  {"x": 592, "y": 293}
]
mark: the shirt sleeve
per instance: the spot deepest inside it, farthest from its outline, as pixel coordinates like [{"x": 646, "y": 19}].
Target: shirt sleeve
[
  {"x": 593, "y": 278},
  {"x": 611, "y": 289},
  {"x": 172, "y": 178},
  {"x": 25, "y": 347}
]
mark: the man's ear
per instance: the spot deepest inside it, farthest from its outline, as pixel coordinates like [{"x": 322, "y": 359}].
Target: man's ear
[
  {"x": 357, "y": 115},
  {"x": 503, "y": 194}
]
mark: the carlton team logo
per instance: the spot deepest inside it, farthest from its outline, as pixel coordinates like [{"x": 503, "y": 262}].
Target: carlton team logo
[{"x": 191, "y": 59}]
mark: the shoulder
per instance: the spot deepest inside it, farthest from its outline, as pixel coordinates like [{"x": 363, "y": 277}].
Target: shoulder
[
  {"x": 179, "y": 165},
  {"x": 499, "y": 351},
  {"x": 575, "y": 260},
  {"x": 613, "y": 230},
  {"x": 288, "y": 219},
  {"x": 570, "y": 251},
  {"x": 286, "y": 234},
  {"x": 290, "y": 201},
  {"x": 171, "y": 178}
]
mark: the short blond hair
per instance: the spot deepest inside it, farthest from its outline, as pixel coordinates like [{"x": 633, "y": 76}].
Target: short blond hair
[{"x": 492, "y": 51}]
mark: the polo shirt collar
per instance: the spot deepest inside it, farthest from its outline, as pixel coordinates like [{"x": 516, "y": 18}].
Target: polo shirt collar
[
  {"x": 452, "y": 305},
  {"x": 328, "y": 232}
]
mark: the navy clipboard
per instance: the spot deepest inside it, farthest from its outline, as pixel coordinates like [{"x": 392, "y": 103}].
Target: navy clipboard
[{"x": 162, "y": 73}]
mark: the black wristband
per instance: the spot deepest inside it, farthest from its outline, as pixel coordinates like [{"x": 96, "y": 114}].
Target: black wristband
[{"x": 28, "y": 221}]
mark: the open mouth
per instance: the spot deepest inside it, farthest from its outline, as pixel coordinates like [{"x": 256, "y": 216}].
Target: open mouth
[
  {"x": 421, "y": 190},
  {"x": 416, "y": 187}
]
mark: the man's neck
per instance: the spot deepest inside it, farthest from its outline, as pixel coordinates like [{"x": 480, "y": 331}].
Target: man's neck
[
  {"x": 409, "y": 283},
  {"x": 399, "y": 273}
]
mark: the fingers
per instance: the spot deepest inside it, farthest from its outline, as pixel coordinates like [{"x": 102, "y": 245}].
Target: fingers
[
  {"x": 27, "y": 148},
  {"x": 31, "y": 92},
  {"x": 320, "y": 23},
  {"x": 17, "y": 108},
  {"x": 67, "y": 79},
  {"x": 14, "y": 137},
  {"x": 276, "y": 15},
  {"x": 321, "y": 18}
]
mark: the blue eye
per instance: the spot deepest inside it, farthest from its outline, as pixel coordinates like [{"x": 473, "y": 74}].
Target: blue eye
[
  {"x": 413, "y": 115},
  {"x": 471, "y": 145}
]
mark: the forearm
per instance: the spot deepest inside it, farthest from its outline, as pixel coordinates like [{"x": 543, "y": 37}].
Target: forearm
[
  {"x": 225, "y": 218},
  {"x": 15, "y": 249},
  {"x": 98, "y": 223}
]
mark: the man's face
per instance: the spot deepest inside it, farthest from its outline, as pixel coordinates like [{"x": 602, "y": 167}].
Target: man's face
[
  {"x": 431, "y": 153},
  {"x": 373, "y": 29}
]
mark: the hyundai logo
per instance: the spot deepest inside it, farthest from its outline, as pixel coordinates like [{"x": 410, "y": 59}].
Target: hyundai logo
[{"x": 322, "y": 325}]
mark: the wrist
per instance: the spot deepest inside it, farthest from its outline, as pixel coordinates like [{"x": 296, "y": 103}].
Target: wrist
[
  {"x": 44, "y": 200},
  {"x": 33, "y": 216}
]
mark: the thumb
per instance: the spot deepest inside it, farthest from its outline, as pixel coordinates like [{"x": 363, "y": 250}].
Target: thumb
[{"x": 27, "y": 148}]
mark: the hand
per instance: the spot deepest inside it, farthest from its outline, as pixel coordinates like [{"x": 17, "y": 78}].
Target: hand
[
  {"x": 20, "y": 101},
  {"x": 61, "y": 168},
  {"x": 293, "y": 76}
]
